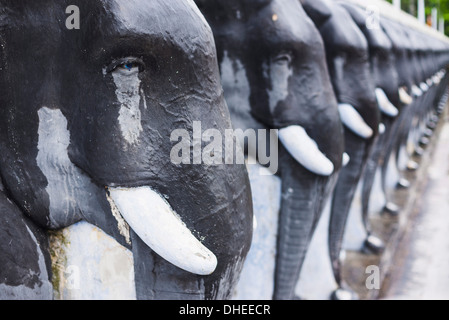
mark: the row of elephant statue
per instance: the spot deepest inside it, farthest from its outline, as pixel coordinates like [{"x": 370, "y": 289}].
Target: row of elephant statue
[{"x": 87, "y": 116}]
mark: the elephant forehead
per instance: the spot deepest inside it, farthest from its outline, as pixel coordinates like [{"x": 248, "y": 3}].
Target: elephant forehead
[
  {"x": 342, "y": 32},
  {"x": 319, "y": 11},
  {"x": 376, "y": 36},
  {"x": 395, "y": 34},
  {"x": 378, "y": 39},
  {"x": 279, "y": 25},
  {"x": 177, "y": 21}
]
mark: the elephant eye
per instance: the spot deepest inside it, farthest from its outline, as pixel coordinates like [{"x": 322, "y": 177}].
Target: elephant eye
[
  {"x": 127, "y": 66},
  {"x": 284, "y": 58}
]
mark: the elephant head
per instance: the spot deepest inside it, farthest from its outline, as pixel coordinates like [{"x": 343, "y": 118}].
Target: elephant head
[
  {"x": 86, "y": 133},
  {"x": 407, "y": 95},
  {"x": 274, "y": 76},
  {"x": 410, "y": 74},
  {"x": 385, "y": 76},
  {"x": 382, "y": 60},
  {"x": 349, "y": 66},
  {"x": 426, "y": 115},
  {"x": 400, "y": 50}
]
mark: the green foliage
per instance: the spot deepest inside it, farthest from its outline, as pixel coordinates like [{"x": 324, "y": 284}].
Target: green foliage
[{"x": 410, "y": 6}]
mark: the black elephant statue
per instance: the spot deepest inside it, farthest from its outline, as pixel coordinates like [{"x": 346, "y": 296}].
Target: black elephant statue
[
  {"x": 419, "y": 78},
  {"x": 347, "y": 54},
  {"x": 385, "y": 76},
  {"x": 400, "y": 51},
  {"x": 274, "y": 75},
  {"x": 87, "y": 133}
]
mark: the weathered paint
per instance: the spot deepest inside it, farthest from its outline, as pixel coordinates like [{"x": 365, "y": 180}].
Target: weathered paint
[
  {"x": 89, "y": 264},
  {"x": 128, "y": 94},
  {"x": 39, "y": 291}
]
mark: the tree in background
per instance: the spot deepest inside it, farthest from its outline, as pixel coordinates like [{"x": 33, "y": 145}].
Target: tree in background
[{"x": 410, "y": 6}]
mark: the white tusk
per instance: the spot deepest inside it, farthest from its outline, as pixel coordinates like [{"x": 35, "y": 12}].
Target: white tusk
[
  {"x": 424, "y": 87},
  {"x": 436, "y": 79},
  {"x": 305, "y": 150},
  {"x": 416, "y": 91},
  {"x": 404, "y": 96},
  {"x": 159, "y": 227},
  {"x": 346, "y": 159},
  {"x": 385, "y": 106},
  {"x": 381, "y": 128},
  {"x": 354, "y": 121}
]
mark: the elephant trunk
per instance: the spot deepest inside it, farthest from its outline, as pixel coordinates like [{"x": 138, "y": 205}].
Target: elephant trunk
[
  {"x": 303, "y": 198},
  {"x": 156, "y": 279},
  {"x": 372, "y": 166},
  {"x": 390, "y": 147},
  {"x": 368, "y": 180},
  {"x": 358, "y": 150}
]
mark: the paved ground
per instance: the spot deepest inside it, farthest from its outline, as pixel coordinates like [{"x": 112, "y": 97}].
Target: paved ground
[{"x": 421, "y": 265}]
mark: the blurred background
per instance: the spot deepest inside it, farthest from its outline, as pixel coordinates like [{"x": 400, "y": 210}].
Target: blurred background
[{"x": 434, "y": 13}]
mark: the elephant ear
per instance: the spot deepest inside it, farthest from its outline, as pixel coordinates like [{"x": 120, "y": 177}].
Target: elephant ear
[
  {"x": 25, "y": 259},
  {"x": 318, "y": 10}
]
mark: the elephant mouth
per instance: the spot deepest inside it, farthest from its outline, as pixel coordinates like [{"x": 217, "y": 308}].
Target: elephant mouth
[{"x": 155, "y": 222}]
